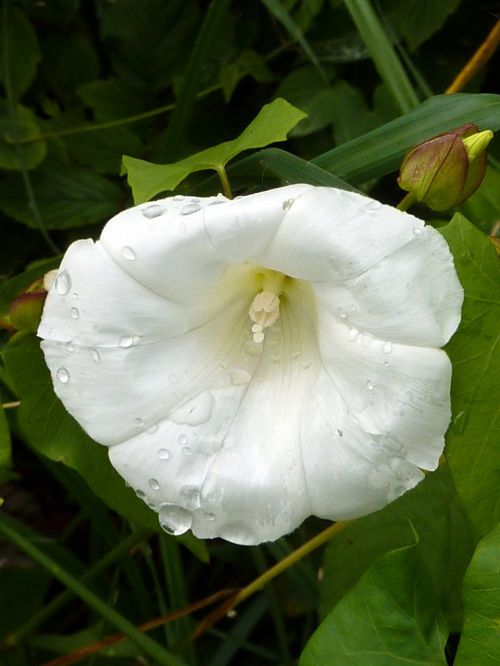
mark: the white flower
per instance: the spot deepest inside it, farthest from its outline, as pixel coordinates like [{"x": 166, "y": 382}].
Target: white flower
[{"x": 252, "y": 362}]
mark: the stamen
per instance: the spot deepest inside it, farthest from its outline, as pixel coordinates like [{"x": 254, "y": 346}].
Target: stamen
[{"x": 265, "y": 308}]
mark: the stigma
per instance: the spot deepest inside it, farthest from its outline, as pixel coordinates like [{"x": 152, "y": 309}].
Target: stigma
[{"x": 265, "y": 308}]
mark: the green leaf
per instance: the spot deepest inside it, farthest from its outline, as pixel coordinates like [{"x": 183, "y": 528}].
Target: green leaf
[
  {"x": 272, "y": 123},
  {"x": 390, "y": 618},
  {"x": 248, "y": 63},
  {"x": 472, "y": 447},
  {"x": 19, "y": 283},
  {"x": 50, "y": 430},
  {"x": 67, "y": 196},
  {"x": 445, "y": 546},
  {"x": 22, "y": 50},
  {"x": 23, "y": 126},
  {"x": 381, "y": 150},
  {"x": 102, "y": 149},
  {"x": 69, "y": 60},
  {"x": 417, "y": 20},
  {"x": 5, "y": 452},
  {"x": 483, "y": 206},
  {"x": 113, "y": 99},
  {"x": 480, "y": 641}
]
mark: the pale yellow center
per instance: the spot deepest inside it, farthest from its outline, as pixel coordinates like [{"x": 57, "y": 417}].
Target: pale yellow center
[{"x": 265, "y": 308}]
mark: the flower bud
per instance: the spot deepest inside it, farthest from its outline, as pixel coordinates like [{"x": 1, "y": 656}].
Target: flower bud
[
  {"x": 445, "y": 171},
  {"x": 26, "y": 311}
]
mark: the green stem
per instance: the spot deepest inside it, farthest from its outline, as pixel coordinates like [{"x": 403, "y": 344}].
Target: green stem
[
  {"x": 226, "y": 185},
  {"x": 158, "y": 654},
  {"x": 408, "y": 200}
]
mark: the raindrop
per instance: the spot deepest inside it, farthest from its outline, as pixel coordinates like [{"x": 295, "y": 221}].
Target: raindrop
[
  {"x": 140, "y": 494},
  {"x": 63, "y": 283},
  {"x": 153, "y": 484},
  {"x": 163, "y": 454},
  {"x": 74, "y": 313},
  {"x": 340, "y": 433},
  {"x": 288, "y": 204},
  {"x": 186, "y": 450},
  {"x": 306, "y": 364},
  {"x": 386, "y": 364},
  {"x": 138, "y": 421},
  {"x": 179, "y": 197},
  {"x": 239, "y": 376},
  {"x": 126, "y": 341},
  {"x": 191, "y": 497},
  {"x": 153, "y": 211},
  {"x": 196, "y": 411},
  {"x": 152, "y": 429},
  {"x": 63, "y": 375},
  {"x": 387, "y": 347},
  {"x": 190, "y": 208},
  {"x": 94, "y": 355},
  {"x": 174, "y": 519},
  {"x": 239, "y": 533},
  {"x": 70, "y": 347},
  {"x": 210, "y": 516},
  {"x": 353, "y": 334},
  {"x": 342, "y": 313},
  {"x": 75, "y": 295},
  {"x": 354, "y": 308},
  {"x": 128, "y": 253},
  {"x": 417, "y": 231},
  {"x": 183, "y": 440},
  {"x": 369, "y": 385},
  {"x": 182, "y": 228}
]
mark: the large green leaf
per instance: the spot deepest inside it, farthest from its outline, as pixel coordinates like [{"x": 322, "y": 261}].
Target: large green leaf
[
  {"x": 19, "y": 126},
  {"x": 417, "y": 20},
  {"x": 480, "y": 642},
  {"x": 445, "y": 546},
  {"x": 272, "y": 123},
  {"x": 390, "y": 618},
  {"x": 473, "y": 450},
  {"x": 19, "y": 53},
  {"x": 48, "y": 428},
  {"x": 380, "y": 151},
  {"x": 66, "y": 197}
]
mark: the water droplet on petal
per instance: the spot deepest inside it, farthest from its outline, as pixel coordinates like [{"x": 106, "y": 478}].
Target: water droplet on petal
[
  {"x": 152, "y": 429},
  {"x": 126, "y": 341},
  {"x": 417, "y": 231},
  {"x": 153, "y": 211},
  {"x": 128, "y": 253},
  {"x": 386, "y": 364},
  {"x": 153, "y": 484},
  {"x": 174, "y": 519},
  {"x": 163, "y": 454},
  {"x": 353, "y": 334},
  {"x": 288, "y": 204},
  {"x": 140, "y": 494},
  {"x": 191, "y": 497},
  {"x": 178, "y": 197},
  {"x": 306, "y": 364},
  {"x": 70, "y": 347},
  {"x": 239, "y": 376},
  {"x": 62, "y": 375},
  {"x": 239, "y": 533},
  {"x": 369, "y": 385},
  {"x": 190, "y": 208},
  {"x": 138, "y": 421},
  {"x": 186, "y": 451},
  {"x": 74, "y": 313},
  {"x": 387, "y": 347},
  {"x": 183, "y": 440},
  {"x": 210, "y": 516},
  {"x": 63, "y": 283},
  {"x": 94, "y": 355},
  {"x": 342, "y": 313}
]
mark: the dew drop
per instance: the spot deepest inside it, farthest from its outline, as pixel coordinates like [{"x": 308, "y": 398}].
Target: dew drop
[
  {"x": 353, "y": 334},
  {"x": 239, "y": 533},
  {"x": 288, "y": 204},
  {"x": 186, "y": 451},
  {"x": 138, "y": 421},
  {"x": 369, "y": 385},
  {"x": 239, "y": 376},
  {"x": 75, "y": 295},
  {"x": 153, "y": 484},
  {"x": 306, "y": 364},
  {"x": 153, "y": 211},
  {"x": 417, "y": 231},
  {"x": 140, "y": 494},
  {"x": 190, "y": 208},
  {"x": 163, "y": 454},
  {"x": 387, "y": 347},
  {"x": 342, "y": 313},
  {"x": 183, "y": 440},
  {"x": 70, "y": 347},
  {"x": 340, "y": 433},
  {"x": 126, "y": 341},
  {"x": 128, "y": 253},
  {"x": 191, "y": 497},
  {"x": 210, "y": 516},
  {"x": 74, "y": 313},
  {"x": 95, "y": 356},
  {"x": 178, "y": 197},
  {"x": 174, "y": 519},
  {"x": 386, "y": 364},
  {"x": 63, "y": 375},
  {"x": 63, "y": 283}
]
